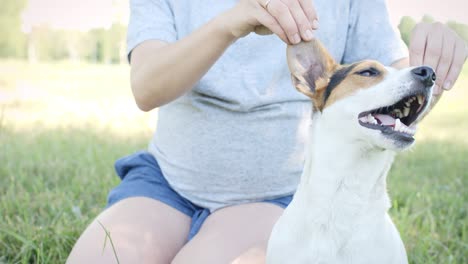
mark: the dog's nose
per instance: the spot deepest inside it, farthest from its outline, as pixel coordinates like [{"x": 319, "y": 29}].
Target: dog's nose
[{"x": 424, "y": 74}]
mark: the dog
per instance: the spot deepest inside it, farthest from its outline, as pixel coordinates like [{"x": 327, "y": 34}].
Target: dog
[{"x": 364, "y": 113}]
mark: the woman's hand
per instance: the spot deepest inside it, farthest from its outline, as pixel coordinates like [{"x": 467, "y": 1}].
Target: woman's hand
[
  {"x": 438, "y": 46},
  {"x": 291, "y": 20}
]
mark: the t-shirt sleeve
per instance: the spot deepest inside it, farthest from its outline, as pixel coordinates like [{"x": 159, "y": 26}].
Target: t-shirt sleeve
[
  {"x": 150, "y": 19},
  {"x": 371, "y": 35}
]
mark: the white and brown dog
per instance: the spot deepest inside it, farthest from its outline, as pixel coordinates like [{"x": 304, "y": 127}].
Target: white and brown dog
[{"x": 363, "y": 114}]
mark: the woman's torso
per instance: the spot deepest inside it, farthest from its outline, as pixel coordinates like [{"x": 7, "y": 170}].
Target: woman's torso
[{"x": 239, "y": 135}]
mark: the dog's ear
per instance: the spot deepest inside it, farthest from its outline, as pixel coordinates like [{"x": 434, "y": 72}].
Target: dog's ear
[{"x": 311, "y": 67}]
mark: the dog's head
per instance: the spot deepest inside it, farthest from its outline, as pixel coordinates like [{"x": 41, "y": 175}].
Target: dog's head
[{"x": 365, "y": 100}]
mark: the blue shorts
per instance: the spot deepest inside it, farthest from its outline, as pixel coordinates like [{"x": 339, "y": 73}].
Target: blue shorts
[{"x": 142, "y": 177}]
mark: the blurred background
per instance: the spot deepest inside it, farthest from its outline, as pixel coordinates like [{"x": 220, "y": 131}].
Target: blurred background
[{"x": 66, "y": 114}]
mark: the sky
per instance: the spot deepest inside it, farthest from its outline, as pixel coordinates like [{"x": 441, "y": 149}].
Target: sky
[
  {"x": 74, "y": 14},
  {"x": 441, "y": 10},
  {"x": 87, "y": 14}
]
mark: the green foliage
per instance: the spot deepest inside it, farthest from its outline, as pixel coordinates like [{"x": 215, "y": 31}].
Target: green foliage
[
  {"x": 12, "y": 40},
  {"x": 106, "y": 44},
  {"x": 97, "y": 45},
  {"x": 406, "y": 26},
  {"x": 461, "y": 29},
  {"x": 46, "y": 44},
  {"x": 100, "y": 45},
  {"x": 427, "y": 19},
  {"x": 49, "y": 44},
  {"x": 41, "y": 220}
]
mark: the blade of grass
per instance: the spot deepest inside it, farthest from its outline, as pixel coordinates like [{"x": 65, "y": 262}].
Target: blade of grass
[{"x": 110, "y": 240}]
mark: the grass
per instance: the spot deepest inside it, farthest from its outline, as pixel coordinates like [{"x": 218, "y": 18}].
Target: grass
[
  {"x": 108, "y": 237},
  {"x": 63, "y": 125}
]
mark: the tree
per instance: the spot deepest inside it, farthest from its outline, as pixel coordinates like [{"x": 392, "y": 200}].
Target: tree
[
  {"x": 428, "y": 19},
  {"x": 406, "y": 26},
  {"x": 461, "y": 29},
  {"x": 106, "y": 45},
  {"x": 48, "y": 44},
  {"x": 12, "y": 40}
]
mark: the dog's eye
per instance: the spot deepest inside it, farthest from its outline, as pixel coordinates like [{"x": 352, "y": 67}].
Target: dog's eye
[{"x": 368, "y": 72}]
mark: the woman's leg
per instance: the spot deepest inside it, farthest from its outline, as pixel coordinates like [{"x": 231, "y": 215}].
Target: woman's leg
[
  {"x": 235, "y": 234},
  {"x": 142, "y": 230}
]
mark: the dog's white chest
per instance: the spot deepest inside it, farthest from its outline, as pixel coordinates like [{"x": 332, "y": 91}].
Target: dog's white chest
[{"x": 303, "y": 238}]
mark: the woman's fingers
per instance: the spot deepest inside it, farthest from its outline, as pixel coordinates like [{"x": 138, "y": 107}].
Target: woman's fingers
[
  {"x": 281, "y": 13},
  {"x": 309, "y": 10},
  {"x": 433, "y": 49},
  {"x": 438, "y": 46},
  {"x": 433, "y": 52},
  {"x": 295, "y": 17},
  {"x": 302, "y": 22},
  {"x": 458, "y": 60},
  {"x": 270, "y": 24},
  {"x": 418, "y": 44},
  {"x": 446, "y": 58}
]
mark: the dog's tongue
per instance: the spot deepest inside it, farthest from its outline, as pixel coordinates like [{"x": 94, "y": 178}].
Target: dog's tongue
[{"x": 386, "y": 120}]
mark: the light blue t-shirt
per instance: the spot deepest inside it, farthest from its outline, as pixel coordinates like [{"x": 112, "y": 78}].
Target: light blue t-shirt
[{"x": 238, "y": 135}]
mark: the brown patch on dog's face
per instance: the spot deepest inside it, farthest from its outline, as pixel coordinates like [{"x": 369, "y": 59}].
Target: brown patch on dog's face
[
  {"x": 348, "y": 79},
  {"x": 315, "y": 73}
]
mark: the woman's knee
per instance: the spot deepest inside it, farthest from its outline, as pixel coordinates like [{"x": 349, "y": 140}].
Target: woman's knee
[
  {"x": 137, "y": 230},
  {"x": 238, "y": 234},
  {"x": 254, "y": 255}
]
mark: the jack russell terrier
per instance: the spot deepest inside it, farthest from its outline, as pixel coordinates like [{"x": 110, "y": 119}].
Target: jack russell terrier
[{"x": 363, "y": 114}]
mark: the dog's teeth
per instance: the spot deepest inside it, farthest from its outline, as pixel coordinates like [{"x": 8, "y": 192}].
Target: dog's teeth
[
  {"x": 397, "y": 112},
  {"x": 420, "y": 99},
  {"x": 406, "y": 111},
  {"x": 371, "y": 119},
  {"x": 397, "y": 124}
]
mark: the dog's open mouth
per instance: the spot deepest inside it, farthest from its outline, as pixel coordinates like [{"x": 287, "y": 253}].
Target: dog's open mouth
[{"x": 396, "y": 119}]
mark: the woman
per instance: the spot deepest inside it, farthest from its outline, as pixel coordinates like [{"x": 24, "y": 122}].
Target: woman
[{"x": 228, "y": 150}]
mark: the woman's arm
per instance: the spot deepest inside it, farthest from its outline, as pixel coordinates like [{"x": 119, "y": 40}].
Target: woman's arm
[{"x": 161, "y": 72}]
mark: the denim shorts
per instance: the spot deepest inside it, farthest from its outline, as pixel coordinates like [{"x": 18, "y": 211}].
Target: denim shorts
[{"x": 142, "y": 177}]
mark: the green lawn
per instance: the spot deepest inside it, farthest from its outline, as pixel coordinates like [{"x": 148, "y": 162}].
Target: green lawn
[{"x": 63, "y": 125}]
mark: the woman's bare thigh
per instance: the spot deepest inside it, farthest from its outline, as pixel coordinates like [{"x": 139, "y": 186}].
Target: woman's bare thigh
[
  {"x": 142, "y": 230},
  {"x": 236, "y": 234}
]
